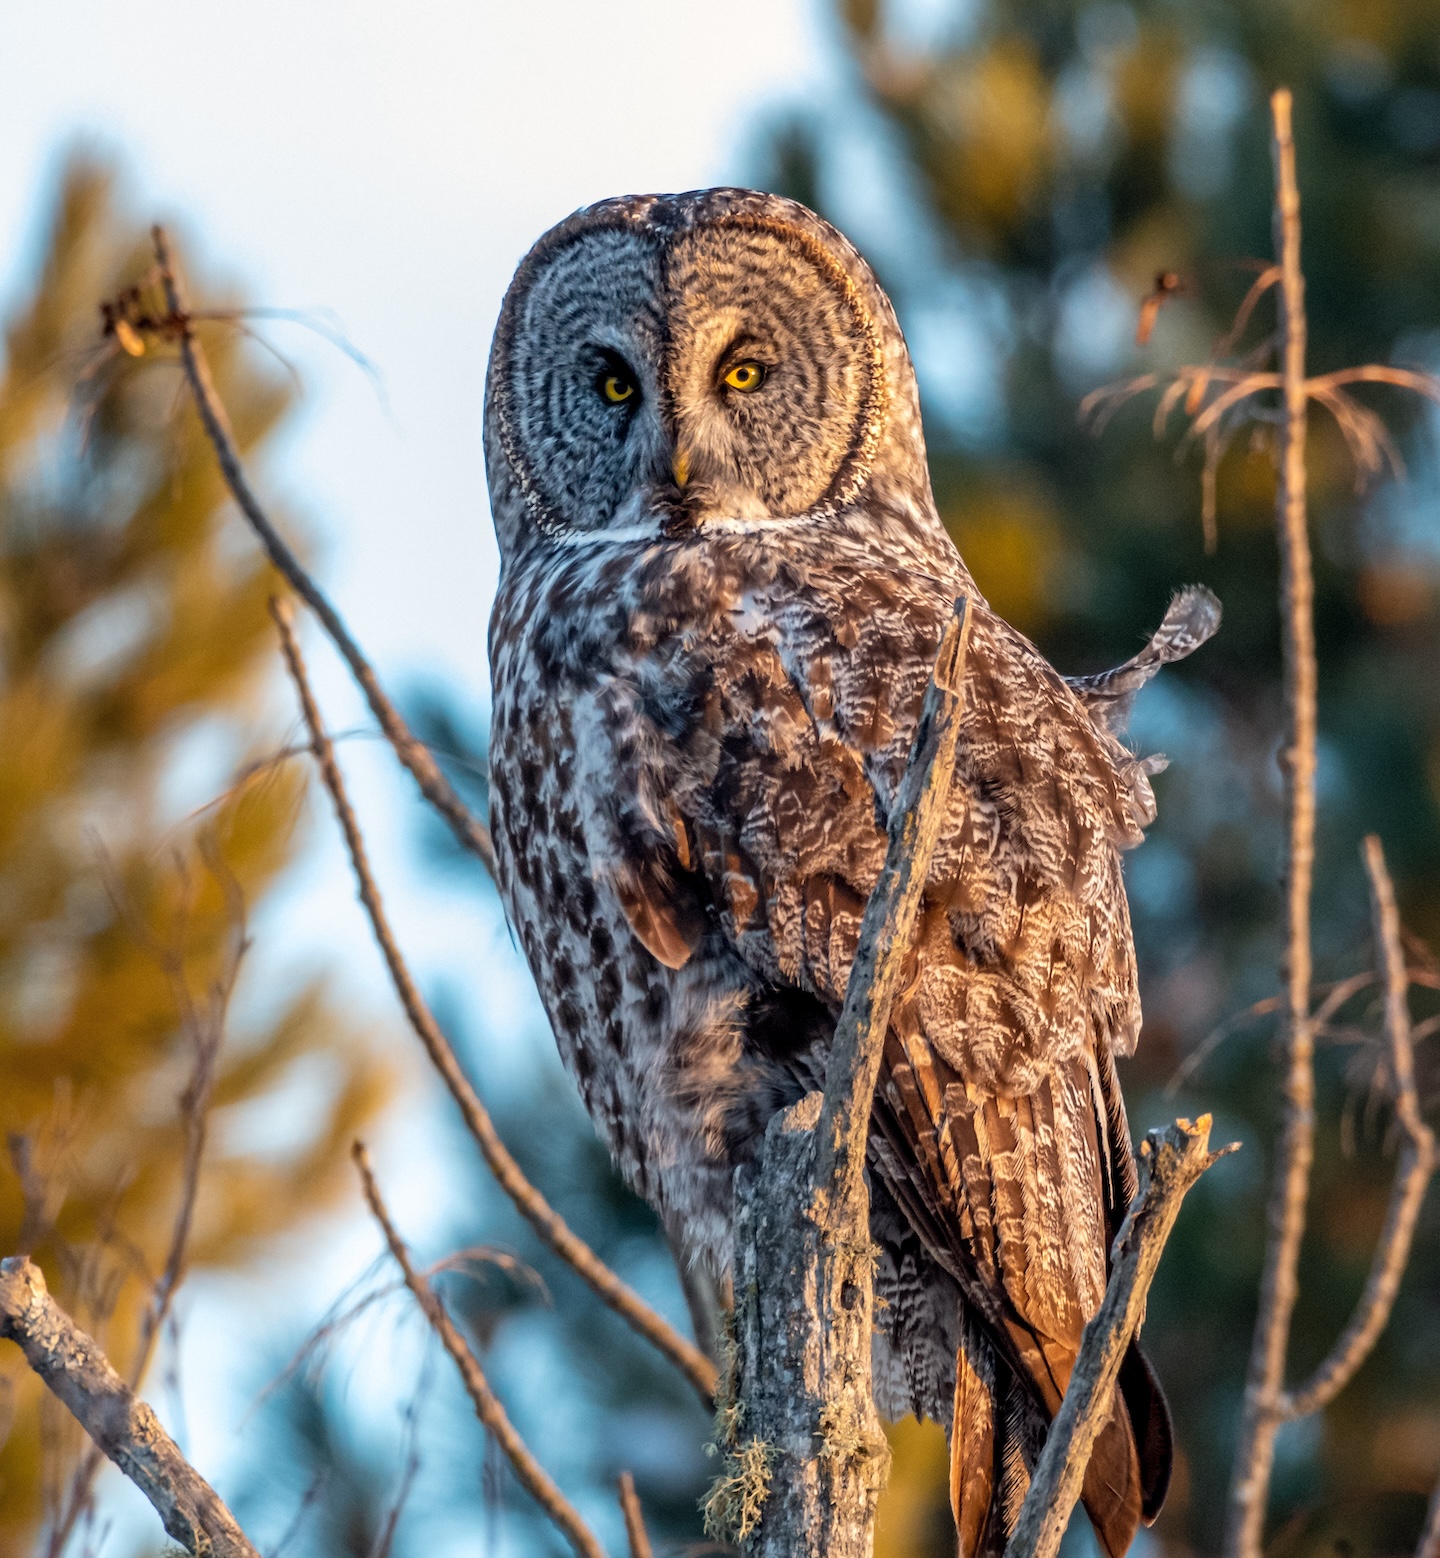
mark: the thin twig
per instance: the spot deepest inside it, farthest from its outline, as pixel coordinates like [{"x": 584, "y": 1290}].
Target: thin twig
[
  {"x": 409, "y": 1470},
  {"x": 411, "y": 751},
  {"x": 548, "y": 1223},
  {"x": 1269, "y": 277},
  {"x": 535, "y": 1479},
  {"x": 307, "y": 1502},
  {"x": 1251, "y": 384},
  {"x": 1336, "y": 997},
  {"x": 1430, "y": 1537},
  {"x": 1378, "y": 373},
  {"x": 1279, "y": 1286},
  {"x": 1171, "y": 1160},
  {"x": 205, "y": 1032},
  {"x": 635, "y": 1532},
  {"x": 1207, "y": 1046},
  {"x": 1372, "y": 448},
  {"x": 1412, "y": 1175},
  {"x": 843, "y": 1131},
  {"x": 124, "y": 1427}
]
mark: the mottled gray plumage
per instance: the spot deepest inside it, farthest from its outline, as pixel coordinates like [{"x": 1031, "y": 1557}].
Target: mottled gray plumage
[{"x": 717, "y": 613}]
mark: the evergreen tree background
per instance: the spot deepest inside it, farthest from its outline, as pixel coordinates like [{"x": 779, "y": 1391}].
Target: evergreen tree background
[{"x": 134, "y": 635}]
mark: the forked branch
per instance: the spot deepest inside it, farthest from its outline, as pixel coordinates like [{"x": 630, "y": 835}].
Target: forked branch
[
  {"x": 1219, "y": 398},
  {"x": 1412, "y": 1175},
  {"x": 533, "y": 1206}
]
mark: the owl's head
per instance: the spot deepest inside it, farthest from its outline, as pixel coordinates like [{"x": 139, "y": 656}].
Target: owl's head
[{"x": 681, "y": 360}]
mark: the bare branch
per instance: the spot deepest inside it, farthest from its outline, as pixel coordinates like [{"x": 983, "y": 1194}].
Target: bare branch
[
  {"x": 1286, "y": 1215},
  {"x": 411, "y": 751},
  {"x": 548, "y": 1223},
  {"x": 1430, "y": 1537},
  {"x": 1412, "y": 1175},
  {"x": 1212, "y": 1040},
  {"x": 1269, "y": 277},
  {"x": 1244, "y": 387},
  {"x": 533, "y": 1477},
  {"x": 1377, "y": 373},
  {"x": 1372, "y": 447},
  {"x": 635, "y": 1532},
  {"x": 409, "y": 1470},
  {"x": 1366, "y": 436},
  {"x": 1335, "y": 997},
  {"x": 1100, "y": 405},
  {"x": 1171, "y": 1160},
  {"x": 204, "y": 1029},
  {"x": 307, "y": 1503},
  {"x": 124, "y": 1427}
]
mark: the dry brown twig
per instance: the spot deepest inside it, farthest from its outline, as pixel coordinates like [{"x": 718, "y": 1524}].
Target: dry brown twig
[
  {"x": 1220, "y": 398},
  {"x": 124, "y": 1427},
  {"x": 1412, "y": 1174},
  {"x": 488, "y": 1408},
  {"x": 203, "y": 1025},
  {"x": 635, "y": 1532},
  {"x": 1171, "y": 1160},
  {"x": 1336, "y": 995},
  {"x": 1264, "y": 1406},
  {"x": 548, "y": 1223},
  {"x": 177, "y": 324}
]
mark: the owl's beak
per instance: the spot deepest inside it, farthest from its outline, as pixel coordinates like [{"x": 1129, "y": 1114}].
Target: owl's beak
[{"x": 680, "y": 465}]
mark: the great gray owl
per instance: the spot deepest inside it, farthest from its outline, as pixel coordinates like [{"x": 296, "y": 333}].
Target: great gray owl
[{"x": 723, "y": 583}]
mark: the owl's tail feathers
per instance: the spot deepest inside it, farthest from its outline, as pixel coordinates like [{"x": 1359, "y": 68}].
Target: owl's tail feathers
[
  {"x": 996, "y": 1435},
  {"x": 1149, "y": 1414},
  {"x": 974, "y": 1442}
]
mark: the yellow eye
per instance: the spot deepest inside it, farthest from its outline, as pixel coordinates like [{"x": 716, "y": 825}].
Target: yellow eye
[
  {"x": 746, "y": 376},
  {"x": 617, "y": 389}
]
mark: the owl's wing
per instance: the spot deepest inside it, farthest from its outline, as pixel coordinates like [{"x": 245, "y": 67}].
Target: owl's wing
[
  {"x": 998, "y": 1128},
  {"x": 1193, "y": 619}
]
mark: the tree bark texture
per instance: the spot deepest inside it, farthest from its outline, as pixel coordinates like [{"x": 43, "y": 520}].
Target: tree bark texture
[
  {"x": 124, "y": 1427},
  {"x": 803, "y": 1443},
  {"x": 805, "y": 1455}
]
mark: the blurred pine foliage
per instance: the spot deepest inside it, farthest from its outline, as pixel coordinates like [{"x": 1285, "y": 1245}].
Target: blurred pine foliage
[{"x": 135, "y": 646}]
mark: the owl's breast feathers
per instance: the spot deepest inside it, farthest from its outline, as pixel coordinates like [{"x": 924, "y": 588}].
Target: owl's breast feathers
[{"x": 736, "y": 719}]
